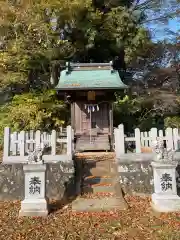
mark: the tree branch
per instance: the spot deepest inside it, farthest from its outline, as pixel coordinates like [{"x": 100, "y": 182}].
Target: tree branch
[
  {"x": 162, "y": 17},
  {"x": 143, "y": 5}
]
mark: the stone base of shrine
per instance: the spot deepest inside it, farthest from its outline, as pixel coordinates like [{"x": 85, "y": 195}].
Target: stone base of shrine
[
  {"x": 165, "y": 203},
  {"x": 32, "y": 208}
]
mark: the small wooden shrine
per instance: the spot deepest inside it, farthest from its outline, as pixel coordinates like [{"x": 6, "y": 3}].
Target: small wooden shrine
[{"x": 89, "y": 88}]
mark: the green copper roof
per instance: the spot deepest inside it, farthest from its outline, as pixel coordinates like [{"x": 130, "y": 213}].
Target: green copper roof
[{"x": 90, "y": 76}]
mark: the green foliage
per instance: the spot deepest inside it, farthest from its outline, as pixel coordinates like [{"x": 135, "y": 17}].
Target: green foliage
[
  {"x": 35, "y": 34},
  {"x": 137, "y": 112},
  {"x": 31, "y": 36},
  {"x": 173, "y": 122},
  {"x": 34, "y": 110},
  {"x": 125, "y": 111}
]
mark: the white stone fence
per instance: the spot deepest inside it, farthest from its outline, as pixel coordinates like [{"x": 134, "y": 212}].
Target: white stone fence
[
  {"x": 18, "y": 144},
  {"x": 171, "y": 136}
]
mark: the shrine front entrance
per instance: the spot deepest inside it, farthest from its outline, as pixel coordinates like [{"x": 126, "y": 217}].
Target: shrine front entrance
[
  {"x": 92, "y": 126},
  {"x": 91, "y": 117}
]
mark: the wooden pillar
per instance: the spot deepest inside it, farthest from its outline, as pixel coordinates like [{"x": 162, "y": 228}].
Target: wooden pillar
[{"x": 111, "y": 125}]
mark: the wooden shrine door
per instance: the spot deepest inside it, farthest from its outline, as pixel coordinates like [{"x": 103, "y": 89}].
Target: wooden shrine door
[{"x": 98, "y": 120}]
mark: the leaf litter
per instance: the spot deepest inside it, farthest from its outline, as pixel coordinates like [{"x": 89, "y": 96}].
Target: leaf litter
[{"x": 139, "y": 222}]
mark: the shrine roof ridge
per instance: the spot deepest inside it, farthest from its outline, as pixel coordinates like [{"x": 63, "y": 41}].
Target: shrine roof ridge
[
  {"x": 71, "y": 64},
  {"x": 90, "y": 76}
]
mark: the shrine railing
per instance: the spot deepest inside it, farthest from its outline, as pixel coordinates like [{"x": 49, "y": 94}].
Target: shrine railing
[
  {"x": 141, "y": 142},
  {"x": 58, "y": 145}
]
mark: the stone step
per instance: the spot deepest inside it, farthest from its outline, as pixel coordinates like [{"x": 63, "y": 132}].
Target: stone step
[
  {"x": 95, "y": 204},
  {"x": 101, "y": 144},
  {"x": 98, "y": 169},
  {"x": 98, "y": 172},
  {"x": 83, "y": 142},
  {"x": 98, "y": 143},
  {"x": 87, "y": 147},
  {"x": 96, "y": 156},
  {"x": 91, "y": 180},
  {"x": 98, "y": 188},
  {"x": 92, "y": 148},
  {"x": 94, "y": 136},
  {"x": 92, "y": 142},
  {"x": 98, "y": 195},
  {"x": 99, "y": 163}
]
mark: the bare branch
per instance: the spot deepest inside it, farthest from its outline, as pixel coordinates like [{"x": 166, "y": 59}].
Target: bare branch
[{"x": 170, "y": 15}]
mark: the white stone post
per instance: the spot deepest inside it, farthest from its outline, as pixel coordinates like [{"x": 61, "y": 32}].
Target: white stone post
[
  {"x": 138, "y": 140},
  {"x": 119, "y": 140},
  {"x": 35, "y": 202},
  {"x": 164, "y": 198},
  {"x": 69, "y": 141}
]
